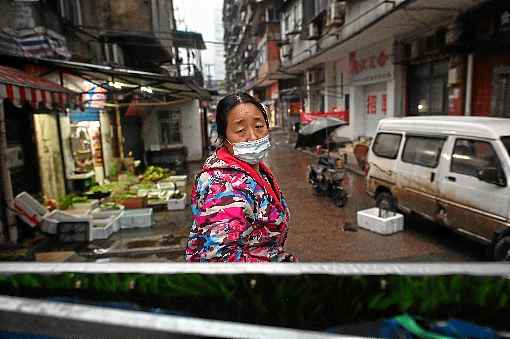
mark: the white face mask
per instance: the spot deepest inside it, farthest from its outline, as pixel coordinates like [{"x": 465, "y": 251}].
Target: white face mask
[{"x": 252, "y": 151}]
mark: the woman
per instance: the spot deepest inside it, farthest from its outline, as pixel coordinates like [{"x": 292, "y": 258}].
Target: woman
[{"x": 239, "y": 212}]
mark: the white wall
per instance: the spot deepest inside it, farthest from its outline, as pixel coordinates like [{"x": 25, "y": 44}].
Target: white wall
[{"x": 191, "y": 128}]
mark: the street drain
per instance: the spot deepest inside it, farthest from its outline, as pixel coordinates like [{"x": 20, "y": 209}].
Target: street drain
[{"x": 142, "y": 243}]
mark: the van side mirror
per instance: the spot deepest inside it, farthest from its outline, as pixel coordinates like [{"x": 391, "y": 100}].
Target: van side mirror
[{"x": 492, "y": 175}]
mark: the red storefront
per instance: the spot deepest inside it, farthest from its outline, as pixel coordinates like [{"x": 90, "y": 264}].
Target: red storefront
[{"x": 487, "y": 31}]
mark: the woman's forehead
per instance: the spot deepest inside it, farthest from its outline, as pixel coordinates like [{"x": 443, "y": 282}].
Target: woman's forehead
[{"x": 245, "y": 111}]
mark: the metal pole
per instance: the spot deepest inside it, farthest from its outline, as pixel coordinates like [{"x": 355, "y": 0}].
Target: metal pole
[
  {"x": 6, "y": 180},
  {"x": 61, "y": 141},
  {"x": 119, "y": 132},
  {"x": 469, "y": 85}
]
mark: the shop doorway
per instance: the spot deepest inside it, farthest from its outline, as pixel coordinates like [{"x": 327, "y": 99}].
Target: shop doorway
[
  {"x": 375, "y": 107},
  {"x": 22, "y": 149}
]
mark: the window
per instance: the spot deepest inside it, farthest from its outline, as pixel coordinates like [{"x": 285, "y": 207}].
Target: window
[
  {"x": 386, "y": 145},
  {"x": 501, "y": 89},
  {"x": 428, "y": 89},
  {"x": 170, "y": 127},
  {"x": 423, "y": 151},
  {"x": 470, "y": 156},
  {"x": 506, "y": 142}
]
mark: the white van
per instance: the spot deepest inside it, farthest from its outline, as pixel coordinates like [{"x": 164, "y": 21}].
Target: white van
[{"x": 450, "y": 170}]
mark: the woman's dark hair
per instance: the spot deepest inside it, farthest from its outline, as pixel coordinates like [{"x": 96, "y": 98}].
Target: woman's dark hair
[{"x": 226, "y": 104}]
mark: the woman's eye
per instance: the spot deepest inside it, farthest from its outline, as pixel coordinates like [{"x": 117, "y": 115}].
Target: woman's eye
[{"x": 241, "y": 131}]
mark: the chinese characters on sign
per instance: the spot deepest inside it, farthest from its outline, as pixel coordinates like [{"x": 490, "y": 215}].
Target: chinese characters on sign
[
  {"x": 371, "y": 65},
  {"x": 359, "y": 65},
  {"x": 384, "y": 104},
  {"x": 372, "y": 104}
]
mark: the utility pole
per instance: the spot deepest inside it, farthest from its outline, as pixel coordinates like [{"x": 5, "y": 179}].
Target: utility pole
[{"x": 209, "y": 75}]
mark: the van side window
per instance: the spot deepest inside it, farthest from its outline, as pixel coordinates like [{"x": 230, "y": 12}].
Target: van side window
[
  {"x": 386, "y": 145},
  {"x": 470, "y": 156},
  {"x": 423, "y": 151}
]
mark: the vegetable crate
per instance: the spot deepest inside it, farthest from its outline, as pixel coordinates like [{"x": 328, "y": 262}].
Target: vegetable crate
[
  {"x": 134, "y": 202},
  {"x": 180, "y": 180},
  {"x": 51, "y": 221},
  {"x": 137, "y": 218},
  {"x": 73, "y": 231},
  {"x": 29, "y": 209},
  {"x": 176, "y": 204},
  {"x": 101, "y": 212},
  {"x": 104, "y": 228}
]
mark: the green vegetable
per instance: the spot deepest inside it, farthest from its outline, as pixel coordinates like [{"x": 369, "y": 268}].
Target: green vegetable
[
  {"x": 67, "y": 201},
  {"x": 155, "y": 173}
]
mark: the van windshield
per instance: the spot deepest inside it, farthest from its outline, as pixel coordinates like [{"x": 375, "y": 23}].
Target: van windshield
[{"x": 506, "y": 142}]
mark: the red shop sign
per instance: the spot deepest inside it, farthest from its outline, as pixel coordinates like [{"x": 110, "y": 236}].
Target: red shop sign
[{"x": 371, "y": 104}]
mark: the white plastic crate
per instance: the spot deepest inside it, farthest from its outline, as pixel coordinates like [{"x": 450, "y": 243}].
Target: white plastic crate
[
  {"x": 388, "y": 223},
  {"x": 137, "y": 218},
  {"x": 100, "y": 213},
  {"x": 28, "y": 209},
  {"x": 176, "y": 204},
  {"x": 103, "y": 228},
  {"x": 166, "y": 185},
  {"x": 50, "y": 221},
  {"x": 86, "y": 206},
  {"x": 180, "y": 180}
]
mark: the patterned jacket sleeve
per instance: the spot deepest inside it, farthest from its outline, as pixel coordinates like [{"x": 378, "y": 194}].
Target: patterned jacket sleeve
[{"x": 222, "y": 213}]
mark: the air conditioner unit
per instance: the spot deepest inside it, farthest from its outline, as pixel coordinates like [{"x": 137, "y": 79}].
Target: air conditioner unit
[
  {"x": 286, "y": 50},
  {"x": 313, "y": 31},
  {"x": 336, "y": 13}
]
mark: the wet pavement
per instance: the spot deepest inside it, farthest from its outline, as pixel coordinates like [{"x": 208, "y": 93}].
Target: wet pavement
[
  {"x": 321, "y": 232},
  {"x": 318, "y": 230}
]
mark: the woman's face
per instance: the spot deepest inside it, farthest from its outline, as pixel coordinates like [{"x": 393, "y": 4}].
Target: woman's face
[{"x": 245, "y": 122}]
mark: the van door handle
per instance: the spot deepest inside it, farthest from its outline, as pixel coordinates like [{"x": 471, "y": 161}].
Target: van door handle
[
  {"x": 432, "y": 176},
  {"x": 451, "y": 179}
]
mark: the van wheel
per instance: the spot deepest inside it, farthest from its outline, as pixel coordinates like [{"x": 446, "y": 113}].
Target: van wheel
[
  {"x": 384, "y": 200},
  {"x": 502, "y": 249}
]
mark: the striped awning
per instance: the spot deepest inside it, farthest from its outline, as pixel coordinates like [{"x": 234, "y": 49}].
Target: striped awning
[{"x": 21, "y": 87}]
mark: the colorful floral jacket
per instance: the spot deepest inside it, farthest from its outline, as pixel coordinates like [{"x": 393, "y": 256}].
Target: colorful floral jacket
[{"x": 237, "y": 214}]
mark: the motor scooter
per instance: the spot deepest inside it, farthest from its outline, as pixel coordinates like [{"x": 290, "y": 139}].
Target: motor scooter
[{"x": 327, "y": 178}]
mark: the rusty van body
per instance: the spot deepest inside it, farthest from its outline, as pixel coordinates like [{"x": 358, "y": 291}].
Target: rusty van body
[{"x": 450, "y": 170}]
